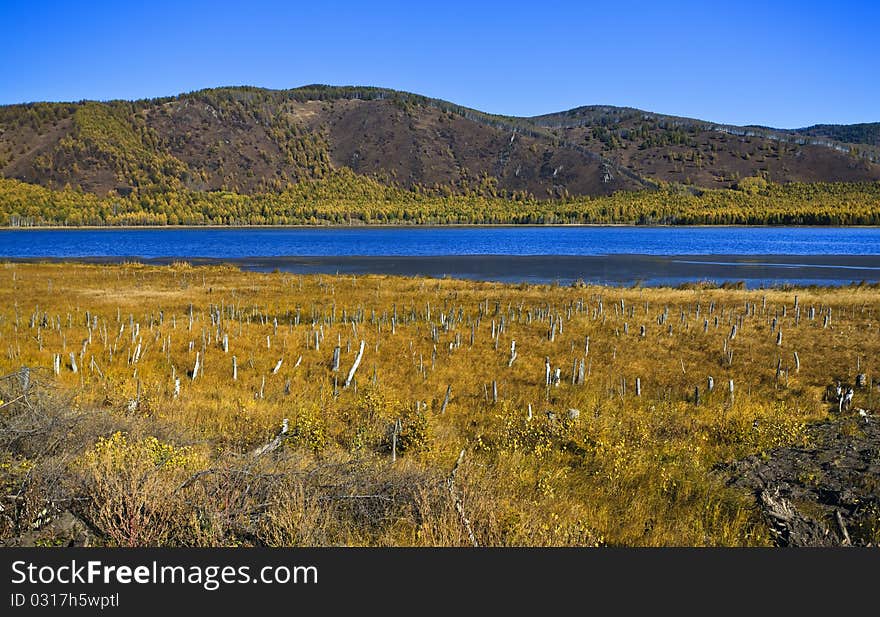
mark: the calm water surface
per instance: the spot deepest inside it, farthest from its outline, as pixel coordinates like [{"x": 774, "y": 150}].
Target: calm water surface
[
  {"x": 757, "y": 256},
  {"x": 240, "y": 243}
]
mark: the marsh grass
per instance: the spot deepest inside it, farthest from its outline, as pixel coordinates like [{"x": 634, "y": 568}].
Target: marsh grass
[{"x": 142, "y": 464}]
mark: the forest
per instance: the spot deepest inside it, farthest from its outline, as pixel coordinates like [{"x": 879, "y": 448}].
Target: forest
[{"x": 342, "y": 197}]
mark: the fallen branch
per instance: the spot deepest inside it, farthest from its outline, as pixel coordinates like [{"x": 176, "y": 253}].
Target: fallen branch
[
  {"x": 450, "y": 483},
  {"x": 275, "y": 443}
]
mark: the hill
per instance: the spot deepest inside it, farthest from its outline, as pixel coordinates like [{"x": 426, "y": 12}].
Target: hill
[
  {"x": 853, "y": 133},
  {"x": 705, "y": 154},
  {"x": 253, "y": 141}
]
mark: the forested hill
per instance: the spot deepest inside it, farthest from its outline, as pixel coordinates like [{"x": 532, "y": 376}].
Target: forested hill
[
  {"x": 868, "y": 133},
  {"x": 251, "y": 141}
]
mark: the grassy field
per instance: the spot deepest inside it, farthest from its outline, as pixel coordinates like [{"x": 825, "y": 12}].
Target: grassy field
[{"x": 136, "y": 425}]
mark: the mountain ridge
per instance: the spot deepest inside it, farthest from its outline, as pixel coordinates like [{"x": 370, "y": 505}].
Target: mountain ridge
[{"x": 249, "y": 139}]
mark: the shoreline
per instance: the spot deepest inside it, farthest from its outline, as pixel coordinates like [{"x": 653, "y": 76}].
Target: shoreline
[{"x": 613, "y": 269}]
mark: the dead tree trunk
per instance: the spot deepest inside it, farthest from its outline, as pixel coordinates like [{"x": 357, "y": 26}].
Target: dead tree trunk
[
  {"x": 354, "y": 366},
  {"x": 446, "y": 399}
]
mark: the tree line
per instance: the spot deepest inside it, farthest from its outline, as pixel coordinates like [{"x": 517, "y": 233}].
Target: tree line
[{"x": 344, "y": 197}]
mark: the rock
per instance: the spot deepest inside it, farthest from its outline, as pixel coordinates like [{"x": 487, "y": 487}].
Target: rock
[{"x": 574, "y": 414}]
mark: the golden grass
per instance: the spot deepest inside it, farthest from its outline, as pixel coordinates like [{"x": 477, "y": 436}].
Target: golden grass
[{"x": 629, "y": 470}]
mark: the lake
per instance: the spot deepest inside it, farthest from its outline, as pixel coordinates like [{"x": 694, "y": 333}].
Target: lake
[{"x": 615, "y": 255}]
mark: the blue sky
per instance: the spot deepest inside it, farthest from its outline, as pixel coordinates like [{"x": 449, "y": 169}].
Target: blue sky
[{"x": 784, "y": 64}]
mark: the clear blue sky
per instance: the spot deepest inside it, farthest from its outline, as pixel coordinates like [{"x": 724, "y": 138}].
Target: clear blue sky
[{"x": 784, "y": 64}]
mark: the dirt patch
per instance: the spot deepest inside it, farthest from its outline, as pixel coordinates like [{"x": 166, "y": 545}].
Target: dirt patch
[{"x": 827, "y": 494}]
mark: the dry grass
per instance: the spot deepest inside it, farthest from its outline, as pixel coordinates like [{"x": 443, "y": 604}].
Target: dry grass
[{"x": 147, "y": 466}]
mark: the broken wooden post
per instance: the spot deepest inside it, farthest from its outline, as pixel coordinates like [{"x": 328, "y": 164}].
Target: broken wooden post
[
  {"x": 234, "y": 368},
  {"x": 278, "y": 366},
  {"x": 196, "y": 367},
  {"x": 797, "y": 362},
  {"x": 638, "y": 386},
  {"x": 512, "y": 353}
]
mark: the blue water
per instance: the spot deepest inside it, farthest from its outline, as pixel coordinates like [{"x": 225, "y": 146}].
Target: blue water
[{"x": 238, "y": 243}]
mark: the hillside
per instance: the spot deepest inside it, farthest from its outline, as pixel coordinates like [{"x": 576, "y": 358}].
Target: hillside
[
  {"x": 705, "y": 154},
  {"x": 254, "y": 141},
  {"x": 868, "y": 133},
  {"x": 248, "y": 141}
]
